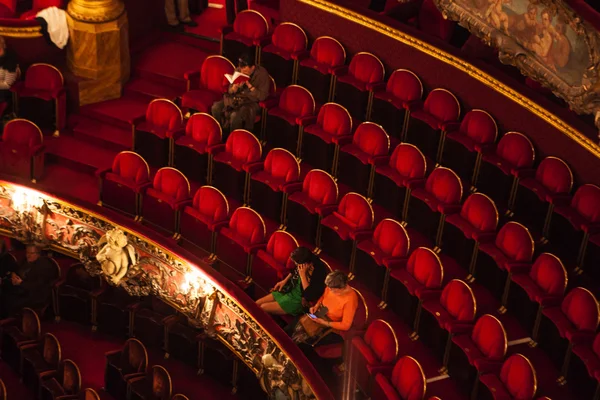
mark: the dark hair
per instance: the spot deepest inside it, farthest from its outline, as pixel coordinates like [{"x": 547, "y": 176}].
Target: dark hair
[
  {"x": 302, "y": 255},
  {"x": 245, "y": 60}
]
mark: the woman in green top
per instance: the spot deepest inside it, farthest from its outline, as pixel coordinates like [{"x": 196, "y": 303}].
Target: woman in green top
[{"x": 304, "y": 285}]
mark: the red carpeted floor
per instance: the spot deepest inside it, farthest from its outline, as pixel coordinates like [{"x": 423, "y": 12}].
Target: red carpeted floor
[{"x": 209, "y": 22}]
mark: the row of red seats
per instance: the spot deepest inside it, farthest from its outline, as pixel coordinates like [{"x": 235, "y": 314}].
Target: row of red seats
[{"x": 8, "y": 8}]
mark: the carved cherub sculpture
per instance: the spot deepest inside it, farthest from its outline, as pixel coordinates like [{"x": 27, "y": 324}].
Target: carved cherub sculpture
[{"x": 116, "y": 255}]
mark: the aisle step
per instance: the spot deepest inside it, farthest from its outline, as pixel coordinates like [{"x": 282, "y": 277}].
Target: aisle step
[
  {"x": 151, "y": 90},
  {"x": 95, "y": 132},
  {"x": 118, "y": 112},
  {"x": 77, "y": 154}
]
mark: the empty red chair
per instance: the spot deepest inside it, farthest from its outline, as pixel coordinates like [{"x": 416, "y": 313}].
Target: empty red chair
[
  {"x": 499, "y": 166},
  {"x": 322, "y": 134},
  {"x": 429, "y": 122},
  {"x": 458, "y": 152},
  {"x": 406, "y": 382},
  {"x": 272, "y": 264},
  {"x": 8, "y": 8},
  {"x": 122, "y": 185},
  {"x": 201, "y": 220},
  {"x": 517, "y": 380},
  {"x": 283, "y": 126},
  {"x": 441, "y": 195},
  {"x": 206, "y": 86},
  {"x": 153, "y": 134},
  {"x": 355, "y": 84},
  {"x": 573, "y": 322},
  {"x": 163, "y": 202},
  {"x": 394, "y": 180},
  {"x": 583, "y": 370},
  {"x": 41, "y": 97},
  {"x": 192, "y": 151},
  {"x": 540, "y": 191},
  {"x": 357, "y": 160},
  {"x": 342, "y": 229},
  {"x": 249, "y": 33},
  {"x": 373, "y": 352},
  {"x": 268, "y": 180},
  {"x": 39, "y": 5},
  {"x": 418, "y": 280},
  {"x": 315, "y": 73},
  {"x": 308, "y": 203},
  {"x": 231, "y": 163},
  {"x": 240, "y": 240},
  {"x": 511, "y": 252},
  {"x": 478, "y": 353},
  {"x": 281, "y": 56},
  {"x": 463, "y": 232},
  {"x": 573, "y": 224},
  {"x": 385, "y": 250},
  {"x": 392, "y": 104},
  {"x": 22, "y": 150},
  {"x": 441, "y": 318}
]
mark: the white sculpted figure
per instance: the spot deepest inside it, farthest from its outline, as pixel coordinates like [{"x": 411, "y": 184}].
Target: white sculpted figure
[{"x": 116, "y": 255}]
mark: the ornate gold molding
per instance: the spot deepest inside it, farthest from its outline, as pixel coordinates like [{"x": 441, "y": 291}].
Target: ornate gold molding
[
  {"x": 461, "y": 65},
  {"x": 95, "y": 10},
  {"x": 21, "y": 32}
]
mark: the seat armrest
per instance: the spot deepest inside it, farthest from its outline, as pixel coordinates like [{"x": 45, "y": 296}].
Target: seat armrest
[
  {"x": 136, "y": 379},
  {"x": 340, "y": 71},
  {"x": 59, "y": 283},
  {"x": 269, "y": 103},
  {"x": 484, "y": 237},
  {"x": 170, "y": 319},
  {"x": 47, "y": 374},
  {"x": 448, "y": 209},
  {"x": 525, "y": 173},
  {"x": 253, "y": 248},
  {"x": 176, "y": 133},
  {"x": 8, "y": 322},
  {"x": 361, "y": 234},
  {"x": 216, "y": 149},
  {"x": 253, "y": 167},
  {"x": 142, "y": 188},
  {"x": 224, "y": 30},
  {"x": 96, "y": 293},
  {"x": 101, "y": 172},
  {"x": 191, "y": 75},
  {"x": 130, "y": 377},
  {"x": 326, "y": 209},
  {"x": 17, "y": 86},
  {"x": 487, "y": 366},
  {"x": 262, "y": 41},
  {"x": 218, "y": 225},
  {"x": 292, "y": 187},
  {"x": 430, "y": 294},
  {"x": 112, "y": 352},
  {"x": 210, "y": 149},
  {"x": 413, "y": 105},
  {"x": 28, "y": 346},
  {"x": 456, "y": 327},
  {"x": 485, "y": 148},
  {"x": 378, "y": 87},
  {"x": 395, "y": 262},
  {"x": 591, "y": 228},
  {"x": 300, "y": 55},
  {"x": 515, "y": 267},
  {"x": 415, "y": 183},
  {"x": 137, "y": 120},
  {"x": 384, "y": 369},
  {"x": 134, "y": 307},
  {"x": 342, "y": 140},
  {"x": 550, "y": 300},
  {"x": 450, "y": 126},
  {"x": 179, "y": 205},
  {"x": 372, "y": 86},
  {"x": 57, "y": 92},
  {"x": 37, "y": 150},
  {"x": 379, "y": 160},
  {"x": 306, "y": 121},
  {"x": 558, "y": 199},
  {"x": 582, "y": 337}
]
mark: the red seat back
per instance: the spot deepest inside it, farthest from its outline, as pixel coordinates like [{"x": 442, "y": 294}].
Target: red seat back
[
  {"x": 481, "y": 212},
  {"x": 11, "y": 5},
  {"x": 391, "y": 238},
  {"x": 362, "y": 313},
  {"x": 212, "y": 73},
  {"x": 335, "y": 119},
  {"x": 243, "y": 146},
  {"x": 251, "y": 24},
  {"x": 164, "y": 114},
  {"x": 409, "y": 379},
  {"x": 445, "y": 185},
  {"x": 517, "y": 149},
  {"x": 555, "y": 175},
  {"x": 289, "y": 37},
  {"x": 131, "y": 166},
  {"x": 490, "y": 337},
  {"x": 204, "y": 128},
  {"x": 297, "y": 101},
  {"x": 381, "y": 338},
  {"x": 280, "y": 163},
  {"x": 280, "y": 246},
  {"x": 431, "y": 21},
  {"x": 210, "y": 202},
  {"x": 367, "y": 68},
  {"x": 320, "y": 187},
  {"x": 519, "y": 377},
  {"x": 356, "y": 211},
  {"x": 425, "y": 266},
  {"x": 516, "y": 242},
  {"x": 443, "y": 105},
  {"x": 21, "y": 132},
  {"x": 408, "y": 160},
  {"x": 172, "y": 183},
  {"x": 405, "y": 85},
  {"x": 248, "y": 224},
  {"x": 43, "y": 77},
  {"x": 587, "y": 202},
  {"x": 458, "y": 299},
  {"x": 371, "y": 139},
  {"x": 43, "y": 4},
  {"x": 549, "y": 273},
  {"x": 581, "y": 308},
  {"x": 479, "y": 126},
  {"x": 327, "y": 50}
]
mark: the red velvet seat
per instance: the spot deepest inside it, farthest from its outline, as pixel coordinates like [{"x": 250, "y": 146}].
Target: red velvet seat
[
  {"x": 386, "y": 249},
  {"x": 345, "y": 227},
  {"x": 288, "y": 45},
  {"x": 284, "y": 122},
  {"x": 530, "y": 291},
  {"x": 540, "y": 191},
  {"x": 308, "y": 203},
  {"x": 407, "y": 382},
  {"x": 163, "y": 202},
  {"x": 200, "y": 221},
  {"x": 479, "y": 352},
  {"x": 355, "y": 84},
  {"x": 64, "y": 382},
  {"x": 430, "y": 121},
  {"x": 511, "y": 252},
  {"x": 441, "y": 318},
  {"x": 22, "y": 150},
  {"x": 272, "y": 264},
  {"x": 464, "y": 232},
  {"x": 206, "y": 86},
  {"x": 232, "y": 162},
  {"x": 8, "y": 8},
  {"x": 394, "y": 180},
  {"x": 501, "y": 164},
  {"x": 357, "y": 160},
  {"x": 561, "y": 327},
  {"x": 517, "y": 380},
  {"x": 268, "y": 181},
  {"x": 148, "y": 320},
  {"x": 249, "y": 33},
  {"x": 154, "y": 134},
  {"x": 123, "y": 365},
  {"x": 75, "y": 294},
  {"x": 16, "y": 333},
  {"x": 458, "y": 152},
  {"x": 418, "y": 280},
  {"x": 122, "y": 185},
  {"x": 191, "y": 152},
  {"x": 583, "y": 370},
  {"x": 375, "y": 351},
  {"x": 238, "y": 242},
  {"x": 41, "y": 97},
  {"x": 315, "y": 73},
  {"x": 39, "y": 5},
  {"x": 322, "y": 134},
  {"x": 429, "y": 203},
  {"x": 391, "y": 105},
  {"x": 155, "y": 385},
  {"x": 39, "y": 360}
]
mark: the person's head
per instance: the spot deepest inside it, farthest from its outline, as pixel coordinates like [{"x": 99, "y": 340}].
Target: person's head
[
  {"x": 546, "y": 18},
  {"x": 32, "y": 253},
  {"x": 302, "y": 255},
  {"x": 337, "y": 281},
  {"x": 532, "y": 10},
  {"x": 246, "y": 64}
]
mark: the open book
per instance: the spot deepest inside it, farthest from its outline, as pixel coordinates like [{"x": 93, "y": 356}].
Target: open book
[{"x": 237, "y": 77}]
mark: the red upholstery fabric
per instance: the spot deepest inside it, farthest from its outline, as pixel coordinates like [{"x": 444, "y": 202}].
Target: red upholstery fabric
[
  {"x": 209, "y": 206},
  {"x": 164, "y": 115},
  {"x": 295, "y": 103},
  {"x": 39, "y": 5},
  {"x": 250, "y": 24},
  {"x": 246, "y": 227},
  {"x": 590, "y": 355},
  {"x": 278, "y": 250},
  {"x": 21, "y": 149},
  {"x": 10, "y": 6},
  {"x": 212, "y": 84},
  {"x": 333, "y": 121},
  {"x": 477, "y": 215},
  {"x": 440, "y": 106},
  {"x": 20, "y": 133},
  {"x": 43, "y": 77},
  {"x": 518, "y": 377},
  {"x": 326, "y": 53},
  {"x": 389, "y": 240},
  {"x": 513, "y": 244},
  {"x": 514, "y": 150},
  {"x": 380, "y": 337},
  {"x": 581, "y": 308},
  {"x": 406, "y": 163},
  {"x": 546, "y": 279},
  {"x": 318, "y": 188},
  {"x": 458, "y": 300},
  {"x": 586, "y": 204},
  {"x": 425, "y": 267},
  {"x": 242, "y": 147},
  {"x": 490, "y": 337},
  {"x": 369, "y": 141},
  {"x": 201, "y": 132},
  {"x": 287, "y": 39},
  {"x": 477, "y": 127},
  {"x": 403, "y": 86},
  {"x": 170, "y": 186},
  {"x": 131, "y": 167},
  {"x": 408, "y": 379},
  {"x": 364, "y": 68},
  {"x": 553, "y": 176},
  {"x": 279, "y": 168},
  {"x": 354, "y": 214},
  {"x": 443, "y": 186},
  {"x": 430, "y": 20}
]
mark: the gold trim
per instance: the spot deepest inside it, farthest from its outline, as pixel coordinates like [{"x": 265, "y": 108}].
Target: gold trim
[
  {"x": 362, "y": 298},
  {"x": 375, "y": 57},
  {"x": 526, "y": 138},
  {"x": 532, "y": 371},
  {"x": 335, "y": 40},
  {"x": 131, "y": 340},
  {"x": 438, "y": 260},
  {"x": 330, "y": 104},
  {"x": 493, "y": 204},
  {"x": 526, "y": 230},
  {"x": 218, "y": 191},
  {"x": 422, "y": 372},
  {"x": 135, "y": 154},
  {"x": 593, "y": 297},
  {"x": 492, "y": 118},
  {"x": 259, "y": 216},
  {"x": 451, "y": 94},
  {"x": 470, "y": 290},
  {"x": 213, "y": 118},
  {"x": 286, "y": 233},
  {"x": 2, "y": 390},
  {"x": 393, "y": 334},
  {"x": 459, "y": 184},
  {"x": 290, "y": 153},
  {"x": 337, "y": 190},
  {"x": 37, "y": 318},
  {"x": 180, "y": 396},
  {"x": 366, "y": 201},
  {"x": 413, "y": 74},
  {"x": 76, "y": 367},
  {"x": 164, "y": 370},
  {"x": 566, "y": 166},
  {"x": 249, "y": 134},
  {"x": 217, "y": 56},
  {"x": 62, "y": 79},
  {"x": 379, "y": 126},
  {"x": 256, "y": 12},
  {"x": 30, "y": 122},
  {"x": 307, "y": 91},
  {"x": 169, "y": 101},
  {"x": 301, "y": 30},
  {"x": 403, "y": 230},
  {"x": 56, "y": 342},
  {"x": 501, "y": 327},
  {"x": 561, "y": 265},
  {"x": 21, "y": 32},
  {"x": 424, "y": 161},
  {"x": 180, "y": 173}
]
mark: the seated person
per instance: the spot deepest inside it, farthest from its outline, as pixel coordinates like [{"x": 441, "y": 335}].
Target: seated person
[
  {"x": 30, "y": 285},
  {"x": 176, "y": 21},
  {"x": 7, "y": 264},
  {"x": 303, "y": 286},
  {"x": 239, "y": 106}
]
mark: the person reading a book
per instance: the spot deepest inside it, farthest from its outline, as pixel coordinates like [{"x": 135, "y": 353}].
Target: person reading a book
[{"x": 248, "y": 86}]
